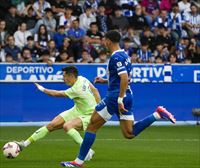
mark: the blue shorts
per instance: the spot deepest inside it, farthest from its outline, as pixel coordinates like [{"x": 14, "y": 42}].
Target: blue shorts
[{"x": 109, "y": 106}]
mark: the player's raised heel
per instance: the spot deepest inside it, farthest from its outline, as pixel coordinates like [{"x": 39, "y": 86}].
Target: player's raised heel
[
  {"x": 70, "y": 164},
  {"x": 164, "y": 114}
]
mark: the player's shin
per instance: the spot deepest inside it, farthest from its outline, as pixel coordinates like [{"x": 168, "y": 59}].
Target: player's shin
[
  {"x": 142, "y": 124},
  {"x": 39, "y": 134},
  {"x": 74, "y": 134},
  {"x": 88, "y": 141}
]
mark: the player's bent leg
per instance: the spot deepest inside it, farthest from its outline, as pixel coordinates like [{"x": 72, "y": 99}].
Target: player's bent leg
[
  {"x": 75, "y": 123},
  {"x": 71, "y": 128},
  {"x": 96, "y": 122},
  {"x": 56, "y": 123},
  {"x": 127, "y": 128}
]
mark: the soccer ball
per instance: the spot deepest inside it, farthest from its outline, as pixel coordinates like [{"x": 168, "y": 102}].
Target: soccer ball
[{"x": 11, "y": 150}]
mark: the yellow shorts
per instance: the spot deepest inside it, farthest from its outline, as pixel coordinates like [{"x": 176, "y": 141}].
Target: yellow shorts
[{"x": 73, "y": 113}]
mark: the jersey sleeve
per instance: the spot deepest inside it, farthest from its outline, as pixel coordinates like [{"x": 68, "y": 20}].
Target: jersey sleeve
[
  {"x": 70, "y": 93},
  {"x": 120, "y": 65}
]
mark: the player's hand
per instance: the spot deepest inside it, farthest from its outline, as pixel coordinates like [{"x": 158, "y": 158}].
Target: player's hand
[
  {"x": 41, "y": 88},
  {"x": 98, "y": 80},
  {"x": 121, "y": 108}
]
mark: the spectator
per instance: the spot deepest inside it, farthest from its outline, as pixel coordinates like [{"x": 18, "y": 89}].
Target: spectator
[
  {"x": 144, "y": 54},
  {"x": 67, "y": 19},
  {"x": 12, "y": 20},
  {"x": 4, "y": 5},
  {"x": 103, "y": 20},
  {"x": 59, "y": 36},
  {"x": 172, "y": 58},
  {"x": 30, "y": 18},
  {"x": 127, "y": 46},
  {"x": 91, "y": 3},
  {"x": 103, "y": 58},
  {"x": 158, "y": 60},
  {"x": 163, "y": 36},
  {"x": 139, "y": 22},
  {"x": 40, "y": 6},
  {"x": 150, "y": 9},
  {"x": 94, "y": 38},
  {"x": 76, "y": 8},
  {"x": 175, "y": 22},
  {"x": 128, "y": 7},
  {"x": 45, "y": 58},
  {"x": 134, "y": 58},
  {"x": 64, "y": 58},
  {"x": 26, "y": 55},
  {"x": 147, "y": 36},
  {"x": 193, "y": 22},
  {"x": 108, "y": 4},
  {"x": 9, "y": 58},
  {"x": 180, "y": 47},
  {"x": 166, "y": 5},
  {"x": 41, "y": 39},
  {"x": 21, "y": 35},
  {"x": 194, "y": 51},
  {"x": 53, "y": 52},
  {"x": 2, "y": 54},
  {"x": 48, "y": 21},
  {"x": 85, "y": 57},
  {"x": 187, "y": 60},
  {"x": 87, "y": 18},
  {"x": 20, "y": 5},
  {"x": 58, "y": 7},
  {"x": 184, "y": 6},
  {"x": 163, "y": 20},
  {"x": 31, "y": 46},
  {"x": 12, "y": 49},
  {"x": 76, "y": 35},
  {"x": 118, "y": 20},
  {"x": 3, "y": 33},
  {"x": 66, "y": 47},
  {"x": 134, "y": 38},
  {"x": 161, "y": 52}
]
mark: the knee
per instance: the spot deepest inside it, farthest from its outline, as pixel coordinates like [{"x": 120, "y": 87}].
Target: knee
[
  {"x": 67, "y": 127},
  {"x": 91, "y": 127},
  {"x": 51, "y": 127}
]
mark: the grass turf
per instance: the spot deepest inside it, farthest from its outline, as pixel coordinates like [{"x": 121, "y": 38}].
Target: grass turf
[{"x": 157, "y": 147}]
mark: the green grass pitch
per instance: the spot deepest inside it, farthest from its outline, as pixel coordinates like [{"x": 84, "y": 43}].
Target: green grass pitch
[{"x": 156, "y": 147}]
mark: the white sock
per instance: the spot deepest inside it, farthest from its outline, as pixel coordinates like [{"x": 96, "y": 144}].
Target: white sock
[
  {"x": 80, "y": 162},
  {"x": 156, "y": 115},
  {"x": 26, "y": 143}
]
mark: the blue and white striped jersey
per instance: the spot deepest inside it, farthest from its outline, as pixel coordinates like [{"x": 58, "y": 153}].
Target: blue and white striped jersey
[
  {"x": 119, "y": 63},
  {"x": 131, "y": 3},
  {"x": 175, "y": 24},
  {"x": 194, "y": 21},
  {"x": 158, "y": 20}
]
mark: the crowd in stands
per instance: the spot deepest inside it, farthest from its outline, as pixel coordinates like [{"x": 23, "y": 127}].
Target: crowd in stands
[{"x": 69, "y": 31}]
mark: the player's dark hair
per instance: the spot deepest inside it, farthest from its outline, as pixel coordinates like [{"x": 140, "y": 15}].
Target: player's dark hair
[
  {"x": 71, "y": 70},
  {"x": 113, "y": 36}
]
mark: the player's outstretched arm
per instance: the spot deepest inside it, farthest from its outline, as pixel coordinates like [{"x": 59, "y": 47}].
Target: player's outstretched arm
[
  {"x": 50, "y": 92},
  {"x": 95, "y": 93},
  {"x": 100, "y": 80}
]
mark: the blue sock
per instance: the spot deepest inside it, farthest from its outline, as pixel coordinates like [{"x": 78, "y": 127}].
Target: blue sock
[
  {"x": 141, "y": 125},
  {"x": 87, "y": 143}
]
